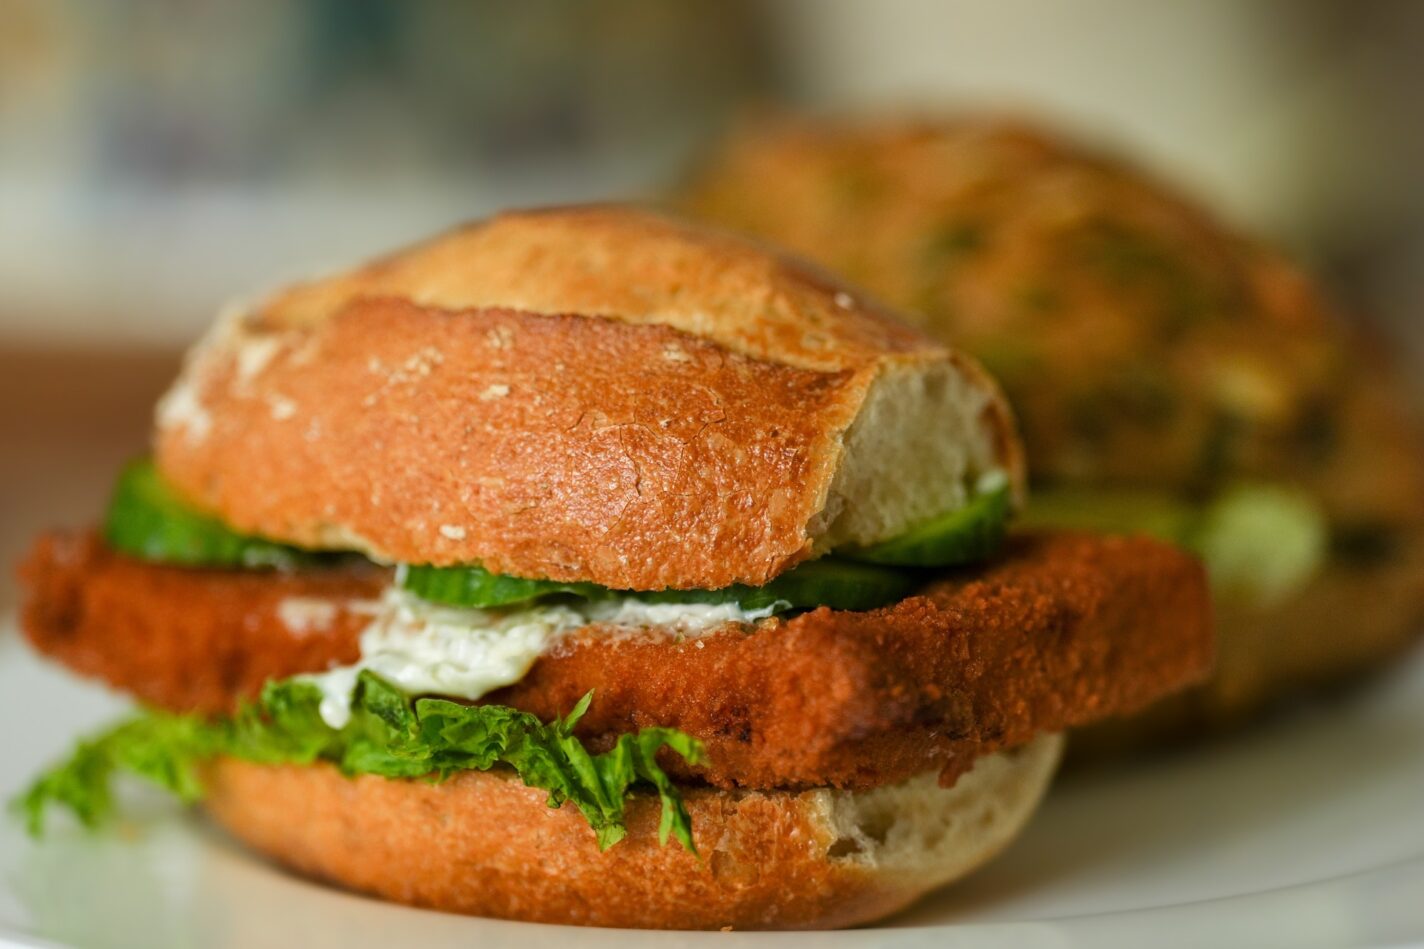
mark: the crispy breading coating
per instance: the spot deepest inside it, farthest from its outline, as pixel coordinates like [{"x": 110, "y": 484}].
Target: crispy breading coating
[
  {"x": 1061, "y": 630},
  {"x": 180, "y": 638}
]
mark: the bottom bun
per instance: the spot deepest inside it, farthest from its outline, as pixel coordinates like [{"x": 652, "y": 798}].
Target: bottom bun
[{"x": 484, "y": 844}]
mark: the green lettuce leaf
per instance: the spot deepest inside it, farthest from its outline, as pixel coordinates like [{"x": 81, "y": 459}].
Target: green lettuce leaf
[{"x": 389, "y": 734}]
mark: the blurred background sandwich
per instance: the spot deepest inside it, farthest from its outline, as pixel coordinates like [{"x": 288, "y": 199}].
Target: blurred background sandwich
[{"x": 1171, "y": 376}]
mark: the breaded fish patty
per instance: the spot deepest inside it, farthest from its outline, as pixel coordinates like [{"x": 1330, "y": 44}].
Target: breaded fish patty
[{"x": 1061, "y": 629}]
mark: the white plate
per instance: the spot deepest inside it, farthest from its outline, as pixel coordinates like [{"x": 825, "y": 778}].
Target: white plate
[{"x": 1307, "y": 833}]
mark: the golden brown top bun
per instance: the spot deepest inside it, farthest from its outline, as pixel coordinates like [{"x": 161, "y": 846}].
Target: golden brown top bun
[{"x": 596, "y": 393}]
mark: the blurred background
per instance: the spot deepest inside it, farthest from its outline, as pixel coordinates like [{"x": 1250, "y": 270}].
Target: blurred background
[{"x": 158, "y": 158}]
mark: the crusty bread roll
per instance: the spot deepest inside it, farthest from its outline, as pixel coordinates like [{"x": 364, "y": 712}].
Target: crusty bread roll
[
  {"x": 768, "y": 859},
  {"x": 546, "y": 392}
]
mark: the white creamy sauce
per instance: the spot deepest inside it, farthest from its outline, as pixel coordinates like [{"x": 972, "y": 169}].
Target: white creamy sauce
[
  {"x": 427, "y": 649},
  {"x": 680, "y": 618}
]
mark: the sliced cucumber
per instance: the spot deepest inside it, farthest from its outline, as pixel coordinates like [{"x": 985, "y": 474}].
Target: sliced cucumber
[
  {"x": 148, "y": 520},
  {"x": 477, "y": 587},
  {"x": 967, "y": 535},
  {"x": 832, "y": 582},
  {"x": 1262, "y": 541}
]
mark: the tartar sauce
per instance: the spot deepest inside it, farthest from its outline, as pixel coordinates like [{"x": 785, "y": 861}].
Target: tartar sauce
[{"x": 428, "y": 649}]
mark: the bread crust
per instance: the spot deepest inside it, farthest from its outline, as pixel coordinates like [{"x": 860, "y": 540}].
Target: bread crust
[
  {"x": 1060, "y": 631},
  {"x": 484, "y": 844},
  {"x": 544, "y": 446},
  {"x": 592, "y": 394}
]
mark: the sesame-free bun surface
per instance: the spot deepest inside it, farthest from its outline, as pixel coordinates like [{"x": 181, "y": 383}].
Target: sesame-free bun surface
[
  {"x": 582, "y": 394},
  {"x": 484, "y": 844}
]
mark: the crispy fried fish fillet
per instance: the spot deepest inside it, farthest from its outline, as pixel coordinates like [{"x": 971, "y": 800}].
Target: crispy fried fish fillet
[{"x": 1061, "y": 630}]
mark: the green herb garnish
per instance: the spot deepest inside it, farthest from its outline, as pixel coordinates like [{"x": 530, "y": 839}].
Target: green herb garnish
[{"x": 388, "y": 735}]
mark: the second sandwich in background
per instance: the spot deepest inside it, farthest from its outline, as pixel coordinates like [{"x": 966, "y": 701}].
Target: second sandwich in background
[{"x": 1170, "y": 377}]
